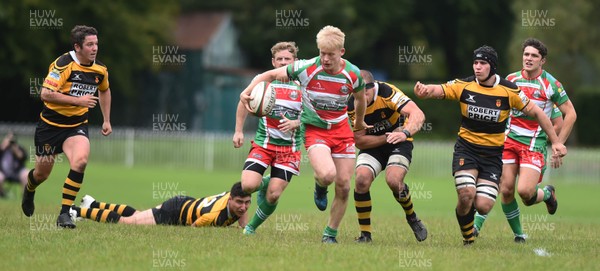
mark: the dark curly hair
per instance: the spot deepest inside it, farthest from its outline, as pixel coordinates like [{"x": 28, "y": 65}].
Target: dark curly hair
[
  {"x": 236, "y": 190},
  {"x": 537, "y": 44},
  {"x": 79, "y": 33}
]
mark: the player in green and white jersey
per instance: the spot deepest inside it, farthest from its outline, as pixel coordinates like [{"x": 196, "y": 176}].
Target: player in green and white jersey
[
  {"x": 276, "y": 143},
  {"x": 525, "y": 147},
  {"x": 327, "y": 81}
]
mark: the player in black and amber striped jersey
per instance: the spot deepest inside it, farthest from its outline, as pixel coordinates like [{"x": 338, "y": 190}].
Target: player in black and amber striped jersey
[
  {"x": 218, "y": 210},
  {"x": 68, "y": 93},
  {"x": 388, "y": 146},
  {"x": 485, "y": 102}
]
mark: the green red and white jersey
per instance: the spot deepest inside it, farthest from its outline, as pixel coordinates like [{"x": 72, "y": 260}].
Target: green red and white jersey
[
  {"x": 325, "y": 96},
  {"x": 288, "y": 103},
  {"x": 546, "y": 92}
]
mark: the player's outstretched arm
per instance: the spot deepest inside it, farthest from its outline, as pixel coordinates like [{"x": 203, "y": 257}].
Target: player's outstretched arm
[
  {"x": 424, "y": 91},
  {"x": 268, "y": 76}
]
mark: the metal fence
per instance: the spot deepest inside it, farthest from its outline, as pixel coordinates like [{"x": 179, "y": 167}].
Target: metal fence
[{"x": 215, "y": 152}]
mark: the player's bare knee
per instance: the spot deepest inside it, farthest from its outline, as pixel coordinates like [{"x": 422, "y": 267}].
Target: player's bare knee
[
  {"x": 484, "y": 206},
  {"x": 395, "y": 184},
  {"x": 528, "y": 199},
  {"x": 466, "y": 197},
  {"x": 507, "y": 191},
  {"x": 395, "y": 178},
  {"x": 526, "y": 194},
  {"x": 362, "y": 183},
  {"x": 325, "y": 178},
  {"x": 273, "y": 196},
  {"x": 342, "y": 190},
  {"x": 483, "y": 210},
  {"x": 79, "y": 164}
]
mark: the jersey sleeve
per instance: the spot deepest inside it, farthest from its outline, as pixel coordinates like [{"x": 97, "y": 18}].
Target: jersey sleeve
[
  {"x": 453, "y": 89},
  {"x": 518, "y": 99},
  {"x": 206, "y": 219},
  {"x": 104, "y": 84},
  {"x": 555, "y": 112},
  {"x": 296, "y": 70},
  {"x": 57, "y": 76},
  {"x": 359, "y": 84},
  {"x": 560, "y": 95},
  {"x": 398, "y": 98}
]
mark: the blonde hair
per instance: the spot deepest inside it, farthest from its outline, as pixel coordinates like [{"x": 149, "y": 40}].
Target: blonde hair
[
  {"x": 289, "y": 46},
  {"x": 330, "y": 37}
]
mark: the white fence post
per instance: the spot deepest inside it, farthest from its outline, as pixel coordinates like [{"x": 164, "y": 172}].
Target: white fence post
[
  {"x": 130, "y": 147},
  {"x": 209, "y": 155}
]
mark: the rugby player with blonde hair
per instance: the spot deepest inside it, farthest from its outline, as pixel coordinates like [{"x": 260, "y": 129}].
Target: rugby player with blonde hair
[{"x": 327, "y": 81}]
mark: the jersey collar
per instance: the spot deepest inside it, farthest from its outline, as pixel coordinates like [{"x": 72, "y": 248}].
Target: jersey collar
[
  {"x": 495, "y": 82},
  {"x": 74, "y": 57}
]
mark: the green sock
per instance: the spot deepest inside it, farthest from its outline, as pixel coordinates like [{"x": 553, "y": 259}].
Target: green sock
[
  {"x": 330, "y": 232},
  {"x": 513, "y": 215},
  {"x": 547, "y": 193},
  {"x": 264, "y": 210},
  {"x": 479, "y": 219},
  {"x": 264, "y": 183}
]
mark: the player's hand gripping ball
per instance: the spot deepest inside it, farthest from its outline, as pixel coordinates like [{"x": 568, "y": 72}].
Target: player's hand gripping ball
[{"x": 262, "y": 99}]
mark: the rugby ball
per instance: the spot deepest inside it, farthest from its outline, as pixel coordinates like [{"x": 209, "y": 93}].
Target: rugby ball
[{"x": 262, "y": 99}]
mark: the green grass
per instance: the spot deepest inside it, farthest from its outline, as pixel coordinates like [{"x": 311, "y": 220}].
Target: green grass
[{"x": 290, "y": 239}]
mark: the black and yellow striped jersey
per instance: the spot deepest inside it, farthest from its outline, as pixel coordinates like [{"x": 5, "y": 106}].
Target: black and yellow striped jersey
[
  {"x": 485, "y": 110},
  {"x": 68, "y": 76},
  {"x": 384, "y": 112},
  {"x": 207, "y": 211}
]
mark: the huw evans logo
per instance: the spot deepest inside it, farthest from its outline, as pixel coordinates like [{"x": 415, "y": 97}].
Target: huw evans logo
[
  {"x": 44, "y": 19},
  {"x": 290, "y": 19},
  {"x": 167, "y": 123},
  {"x": 167, "y": 55},
  {"x": 413, "y": 55},
  {"x": 537, "y": 19}
]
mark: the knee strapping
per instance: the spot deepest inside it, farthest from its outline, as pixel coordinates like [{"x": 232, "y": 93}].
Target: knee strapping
[
  {"x": 398, "y": 160},
  {"x": 464, "y": 180},
  {"x": 487, "y": 190}
]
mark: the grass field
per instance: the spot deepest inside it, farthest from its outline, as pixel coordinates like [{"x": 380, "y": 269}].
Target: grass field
[{"x": 290, "y": 239}]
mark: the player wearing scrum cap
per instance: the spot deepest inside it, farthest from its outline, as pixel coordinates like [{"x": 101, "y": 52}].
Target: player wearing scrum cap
[{"x": 486, "y": 100}]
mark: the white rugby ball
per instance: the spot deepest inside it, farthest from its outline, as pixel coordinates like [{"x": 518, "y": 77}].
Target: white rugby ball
[{"x": 262, "y": 99}]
